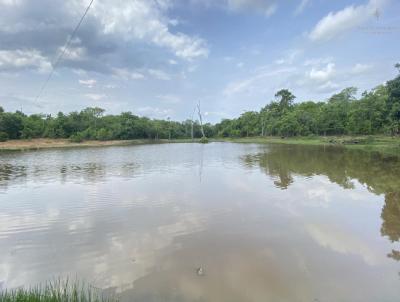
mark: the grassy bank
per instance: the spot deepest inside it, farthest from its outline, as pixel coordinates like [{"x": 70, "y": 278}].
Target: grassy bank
[
  {"x": 57, "y": 291},
  {"x": 383, "y": 144}
]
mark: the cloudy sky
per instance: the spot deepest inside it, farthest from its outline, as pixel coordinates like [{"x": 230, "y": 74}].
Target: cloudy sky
[{"x": 157, "y": 58}]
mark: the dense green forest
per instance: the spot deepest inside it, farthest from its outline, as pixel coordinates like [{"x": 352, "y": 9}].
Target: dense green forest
[
  {"x": 375, "y": 112},
  {"x": 92, "y": 124}
]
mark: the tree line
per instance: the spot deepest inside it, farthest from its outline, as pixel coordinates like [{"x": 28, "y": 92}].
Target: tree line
[
  {"x": 375, "y": 112},
  {"x": 92, "y": 124}
]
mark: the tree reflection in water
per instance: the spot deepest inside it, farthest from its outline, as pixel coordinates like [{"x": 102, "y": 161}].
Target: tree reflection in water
[
  {"x": 391, "y": 221},
  {"x": 380, "y": 173}
]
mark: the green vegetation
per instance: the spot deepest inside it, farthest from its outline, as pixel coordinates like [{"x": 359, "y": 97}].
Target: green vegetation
[
  {"x": 204, "y": 140},
  {"x": 3, "y": 137},
  {"x": 92, "y": 124},
  {"x": 58, "y": 291},
  {"x": 376, "y": 112},
  {"x": 377, "y": 143}
]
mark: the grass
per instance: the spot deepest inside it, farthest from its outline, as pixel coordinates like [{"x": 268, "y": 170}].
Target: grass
[{"x": 57, "y": 291}]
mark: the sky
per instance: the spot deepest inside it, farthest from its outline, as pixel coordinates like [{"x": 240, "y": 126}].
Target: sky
[{"x": 159, "y": 58}]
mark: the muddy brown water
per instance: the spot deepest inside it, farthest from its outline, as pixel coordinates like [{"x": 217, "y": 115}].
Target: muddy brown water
[{"x": 262, "y": 222}]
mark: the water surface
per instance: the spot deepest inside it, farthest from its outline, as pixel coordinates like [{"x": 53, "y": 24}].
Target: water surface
[{"x": 264, "y": 222}]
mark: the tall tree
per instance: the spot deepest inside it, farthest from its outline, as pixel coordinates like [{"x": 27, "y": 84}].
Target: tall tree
[{"x": 285, "y": 99}]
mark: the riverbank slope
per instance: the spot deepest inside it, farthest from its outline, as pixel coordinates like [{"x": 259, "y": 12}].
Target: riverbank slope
[
  {"x": 41, "y": 143},
  {"x": 383, "y": 144}
]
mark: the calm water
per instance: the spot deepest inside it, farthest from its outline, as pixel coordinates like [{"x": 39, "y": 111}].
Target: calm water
[{"x": 265, "y": 223}]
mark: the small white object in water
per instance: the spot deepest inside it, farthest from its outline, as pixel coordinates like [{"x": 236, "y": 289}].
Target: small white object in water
[{"x": 200, "y": 271}]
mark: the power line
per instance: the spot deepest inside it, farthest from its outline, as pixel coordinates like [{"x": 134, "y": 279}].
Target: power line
[{"x": 66, "y": 46}]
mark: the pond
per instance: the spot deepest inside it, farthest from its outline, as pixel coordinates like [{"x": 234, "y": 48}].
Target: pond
[{"x": 215, "y": 222}]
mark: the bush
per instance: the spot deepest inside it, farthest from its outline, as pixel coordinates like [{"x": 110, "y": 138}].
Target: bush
[
  {"x": 3, "y": 136},
  {"x": 204, "y": 140},
  {"x": 103, "y": 134},
  {"x": 89, "y": 133},
  {"x": 76, "y": 138}
]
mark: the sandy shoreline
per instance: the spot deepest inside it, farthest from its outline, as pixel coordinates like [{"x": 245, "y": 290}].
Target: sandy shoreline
[{"x": 36, "y": 144}]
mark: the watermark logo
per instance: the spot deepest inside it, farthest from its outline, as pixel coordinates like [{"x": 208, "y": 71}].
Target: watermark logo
[{"x": 381, "y": 28}]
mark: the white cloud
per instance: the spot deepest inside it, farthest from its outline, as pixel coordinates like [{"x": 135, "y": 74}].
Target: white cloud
[
  {"x": 324, "y": 74},
  {"x": 219, "y": 114},
  {"x": 290, "y": 56},
  {"x": 113, "y": 34},
  {"x": 155, "y": 112},
  {"x": 136, "y": 76},
  {"x": 126, "y": 74},
  {"x": 327, "y": 87},
  {"x": 361, "y": 68},
  {"x": 88, "y": 83},
  {"x": 300, "y": 8},
  {"x": 318, "y": 61},
  {"x": 159, "y": 74},
  {"x": 183, "y": 46},
  {"x": 169, "y": 98},
  {"x": 254, "y": 82},
  {"x": 342, "y": 242},
  {"x": 73, "y": 53},
  {"x": 266, "y": 7},
  {"x": 321, "y": 78},
  {"x": 237, "y": 87},
  {"x": 147, "y": 21},
  {"x": 174, "y": 22},
  {"x": 95, "y": 96},
  {"x": 336, "y": 23},
  {"x": 23, "y": 59},
  {"x": 10, "y": 2}
]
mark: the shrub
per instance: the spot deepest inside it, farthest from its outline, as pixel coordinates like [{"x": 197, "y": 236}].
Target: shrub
[
  {"x": 103, "y": 134},
  {"x": 204, "y": 140},
  {"x": 76, "y": 138},
  {"x": 3, "y": 136}
]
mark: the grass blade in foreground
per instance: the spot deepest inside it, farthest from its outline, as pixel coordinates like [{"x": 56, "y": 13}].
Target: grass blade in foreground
[{"x": 57, "y": 291}]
